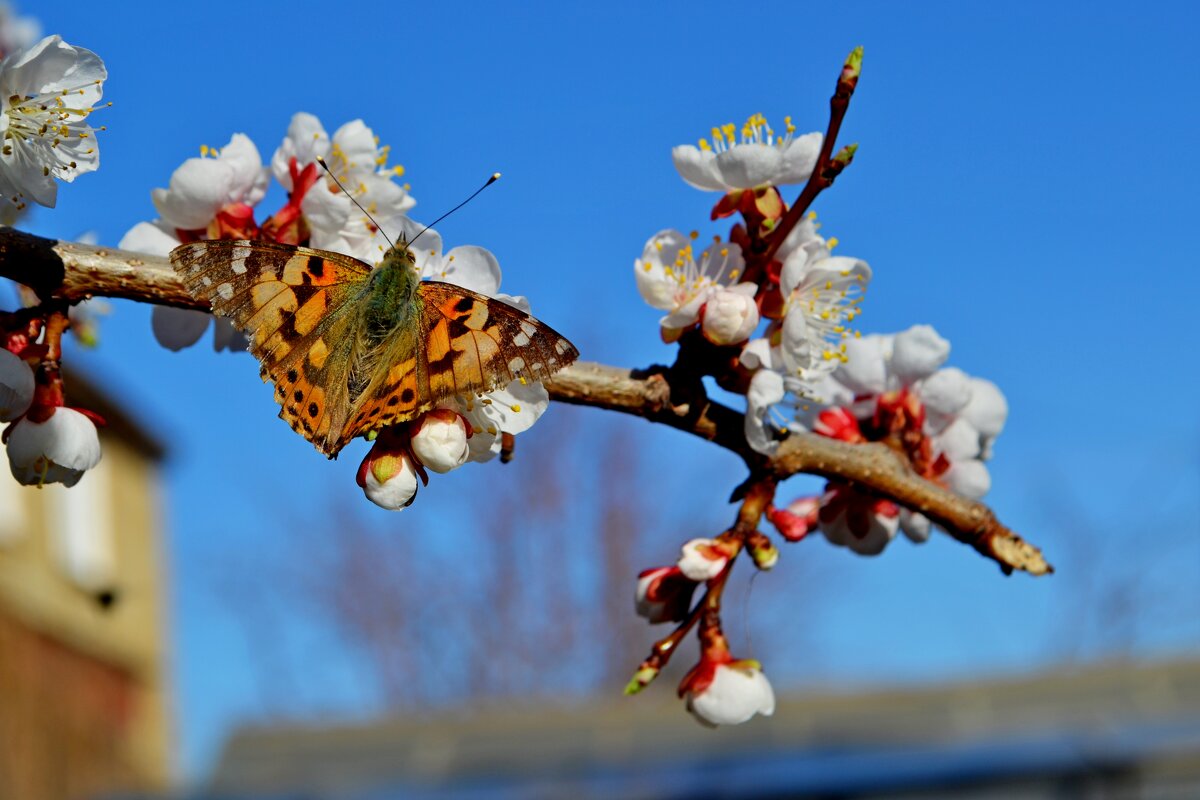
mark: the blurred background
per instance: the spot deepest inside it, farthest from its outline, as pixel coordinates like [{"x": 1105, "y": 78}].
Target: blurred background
[{"x": 219, "y": 612}]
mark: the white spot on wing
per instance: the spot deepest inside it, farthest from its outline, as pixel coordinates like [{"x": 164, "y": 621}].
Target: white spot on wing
[
  {"x": 225, "y": 290},
  {"x": 521, "y": 339},
  {"x": 561, "y": 346},
  {"x": 516, "y": 365},
  {"x": 240, "y": 254}
]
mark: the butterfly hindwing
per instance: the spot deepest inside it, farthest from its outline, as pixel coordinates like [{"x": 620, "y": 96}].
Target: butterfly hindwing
[
  {"x": 295, "y": 305},
  {"x": 465, "y": 344}
]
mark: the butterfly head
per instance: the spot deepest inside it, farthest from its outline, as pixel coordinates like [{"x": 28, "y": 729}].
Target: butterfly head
[{"x": 400, "y": 259}]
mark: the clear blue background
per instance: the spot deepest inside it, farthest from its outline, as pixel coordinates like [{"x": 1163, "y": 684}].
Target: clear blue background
[{"x": 1025, "y": 183}]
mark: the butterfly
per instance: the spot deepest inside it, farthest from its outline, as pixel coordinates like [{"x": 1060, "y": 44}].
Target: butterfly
[{"x": 353, "y": 348}]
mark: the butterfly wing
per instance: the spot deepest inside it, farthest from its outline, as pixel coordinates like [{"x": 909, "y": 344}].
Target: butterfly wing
[
  {"x": 466, "y": 344},
  {"x": 296, "y": 305}
]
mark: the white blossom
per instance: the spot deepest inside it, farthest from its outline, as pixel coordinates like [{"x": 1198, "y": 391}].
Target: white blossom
[
  {"x": 670, "y": 277},
  {"x": 46, "y": 95},
  {"x": 756, "y": 158}
]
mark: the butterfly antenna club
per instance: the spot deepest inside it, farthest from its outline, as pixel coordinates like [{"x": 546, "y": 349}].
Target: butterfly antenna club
[
  {"x": 324, "y": 166},
  {"x": 495, "y": 177}
]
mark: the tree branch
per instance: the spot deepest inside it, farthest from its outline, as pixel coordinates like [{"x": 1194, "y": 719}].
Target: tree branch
[{"x": 75, "y": 272}]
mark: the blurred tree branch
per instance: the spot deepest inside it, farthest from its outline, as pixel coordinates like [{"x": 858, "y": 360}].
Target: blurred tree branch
[{"x": 75, "y": 272}]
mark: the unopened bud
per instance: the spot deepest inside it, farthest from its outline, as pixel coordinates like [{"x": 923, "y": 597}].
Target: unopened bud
[
  {"x": 798, "y": 520},
  {"x": 440, "y": 440},
  {"x": 641, "y": 679},
  {"x": 851, "y": 70},
  {"x": 845, "y": 155},
  {"x": 729, "y": 317},
  {"x": 762, "y": 550}
]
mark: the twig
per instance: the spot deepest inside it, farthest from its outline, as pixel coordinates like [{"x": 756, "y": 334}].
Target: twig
[{"x": 75, "y": 272}]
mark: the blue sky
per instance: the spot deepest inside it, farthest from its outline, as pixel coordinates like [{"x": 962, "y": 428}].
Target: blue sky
[{"x": 1025, "y": 183}]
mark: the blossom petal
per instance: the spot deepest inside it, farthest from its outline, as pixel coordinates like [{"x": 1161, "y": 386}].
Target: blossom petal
[
  {"x": 798, "y": 158},
  {"x": 917, "y": 353},
  {"x": 472, "y": 267},
  {"x": 748, "y": 166},
  {"x": 197, "y": 191},
  {"x": 865, "y": 368},
  {"x": 697, "y": 167},
  {"x": 968, "y": 478},
  {"x": 766, "y": 389},
  {"x": 177, "y": 328},
  {"x": 305, "y": 140},
  {"x": 155, "y": 238}
]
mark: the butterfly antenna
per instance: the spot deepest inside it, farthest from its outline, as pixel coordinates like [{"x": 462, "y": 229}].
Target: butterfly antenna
[
  {"x": 495, "y": 177},
  {"x": 324, "y": 166}
]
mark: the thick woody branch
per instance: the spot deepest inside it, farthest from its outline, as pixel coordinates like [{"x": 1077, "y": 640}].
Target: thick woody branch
[{"x": 75, "y": 272}]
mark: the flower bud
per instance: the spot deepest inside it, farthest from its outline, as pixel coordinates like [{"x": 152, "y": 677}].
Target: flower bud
[
  {"x": 845, "y": 156},
  {"x": 59, "y": 449},
  {"x": 797, "y": 520},
  {"x": 762, "y": 550},
  {"x": 440, "y": 440},
  {"x": 727, "y": 693},
  {"x": 838, "y": 423},
  {"x": 664, "y": 594},
  {"x": 387, "y": 475},
  {"x": 851, "y": 69},
  {"x": 702, "y": 559},
  {"x": 16, "y": 386},
  {"x": 641, "y": 679},
  {"x": 729, "y": 317}
]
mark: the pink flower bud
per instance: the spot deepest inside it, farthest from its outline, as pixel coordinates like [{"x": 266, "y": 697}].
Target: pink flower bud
[
  {"x": 702, "y": 559},
  {"x": 440, "y": 440},
  {"x": 664, "y": 594},
  {"x": 729, "y": 317},
  {"x": 797, "y": 520},
  {"x": 838, "y": 423}
]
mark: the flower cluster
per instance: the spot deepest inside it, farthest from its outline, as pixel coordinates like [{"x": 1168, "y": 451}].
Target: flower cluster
[
  {"x": 48, "y": 89},
  {"x": 214, "y": 196},
  {"x": 894, "y": 389},
  {"x": 768, "y": 312}
]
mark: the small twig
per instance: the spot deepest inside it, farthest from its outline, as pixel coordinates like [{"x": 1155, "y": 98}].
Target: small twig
[
  {"x": 822, "y": 176},
  {"x": 73, "y": 272}
]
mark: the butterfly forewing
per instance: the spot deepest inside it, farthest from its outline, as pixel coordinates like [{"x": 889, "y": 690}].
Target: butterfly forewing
[{"x": 295, "y": 305}]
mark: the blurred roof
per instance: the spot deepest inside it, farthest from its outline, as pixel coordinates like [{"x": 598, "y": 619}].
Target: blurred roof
[{"x": 1111, "y": 718}]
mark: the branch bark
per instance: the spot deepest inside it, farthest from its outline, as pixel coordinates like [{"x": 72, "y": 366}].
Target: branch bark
[{"x": 75, "y": 272}]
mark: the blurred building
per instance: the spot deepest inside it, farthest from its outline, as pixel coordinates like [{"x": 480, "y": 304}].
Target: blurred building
[
  {"x": 83, "y": 699},
  {"x": 1120, "y": 730}
]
